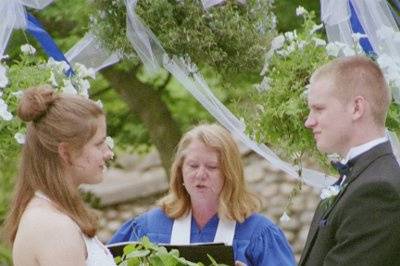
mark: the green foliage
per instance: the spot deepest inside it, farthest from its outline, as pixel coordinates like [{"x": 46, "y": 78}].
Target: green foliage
[
  {"x": 285, "y": 11},
  {"x": 146, "y": 253},
  {"x": 21, "y": 74},
  {"x": 27, "y": 71},
  {"x": 393, "y": 118},
  {"x": 280, "y": 108},
  {"x": 5, "y": 256},
  {"x": 231, "y": 38}
]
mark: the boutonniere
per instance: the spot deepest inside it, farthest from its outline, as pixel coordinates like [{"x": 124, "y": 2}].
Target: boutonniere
[{"x": 329, "y": 194}]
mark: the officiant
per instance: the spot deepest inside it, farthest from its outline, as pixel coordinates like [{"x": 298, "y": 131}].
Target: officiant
[{"x": 208, "y": 202}]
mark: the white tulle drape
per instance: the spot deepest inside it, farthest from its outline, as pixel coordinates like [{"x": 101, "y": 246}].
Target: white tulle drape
[
  {"x": 13, "y": 16},
  {"x": 374, "y": 15},
  {"x": 335, "y": 14},
  {"x": 90, "y": 52},
  {"x": 153, "y": 56},
  {"x": 210, "y": 3}
]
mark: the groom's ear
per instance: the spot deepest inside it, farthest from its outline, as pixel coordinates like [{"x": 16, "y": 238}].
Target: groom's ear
[{"x": 359, "y": 107}]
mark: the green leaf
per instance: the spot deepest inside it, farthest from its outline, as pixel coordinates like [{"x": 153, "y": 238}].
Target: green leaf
[{"x": 137, "y": 254}]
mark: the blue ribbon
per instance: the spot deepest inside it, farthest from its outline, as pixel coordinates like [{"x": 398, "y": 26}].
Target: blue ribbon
[
  {"x": 35, "y": 28},
  {"x": 357, "y": 28}
]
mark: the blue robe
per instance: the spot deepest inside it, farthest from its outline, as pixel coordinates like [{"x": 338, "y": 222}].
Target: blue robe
[{"x": 257, "y": 240}]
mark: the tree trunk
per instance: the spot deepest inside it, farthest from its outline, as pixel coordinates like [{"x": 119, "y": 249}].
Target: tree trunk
[{"x": 146, "y": 102}]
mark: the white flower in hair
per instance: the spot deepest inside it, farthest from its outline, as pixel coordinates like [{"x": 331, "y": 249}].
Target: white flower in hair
[
  {"x": 20, "y": 138},
  {"x": 4, "y": 113},
  {"x": 3, "y": 77},
  {"x": 28, "y": 49}
]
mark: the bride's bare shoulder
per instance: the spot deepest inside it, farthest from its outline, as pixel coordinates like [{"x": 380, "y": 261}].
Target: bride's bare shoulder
[{"x": 41, "y": 220}]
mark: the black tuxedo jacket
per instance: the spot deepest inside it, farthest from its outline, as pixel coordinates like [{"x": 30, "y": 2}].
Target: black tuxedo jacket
[{"x": 362, "y": 225}]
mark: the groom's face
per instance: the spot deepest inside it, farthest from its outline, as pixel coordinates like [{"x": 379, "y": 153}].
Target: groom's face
[{"x": 329, "y": 118}]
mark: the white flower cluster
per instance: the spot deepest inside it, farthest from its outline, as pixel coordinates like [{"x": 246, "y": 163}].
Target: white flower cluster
[
  {"x": 77, "y": 84},
  {"x": 329, "y": 192},
  {"x": 20, "y": 137},
  {"x": 390, "y": 64},
  {"x": 28, "y": 49},
  {"x": 391, "y": 69},
  {"x": 4, "y": 113},
  {"x": 284, "y": 218},
  {"x": 301, "y": 11},
  {"x": 285, "y": 44}
]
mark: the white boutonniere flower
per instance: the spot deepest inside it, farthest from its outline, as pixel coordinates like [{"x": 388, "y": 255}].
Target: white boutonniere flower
[{"x": 329, "y": 192}]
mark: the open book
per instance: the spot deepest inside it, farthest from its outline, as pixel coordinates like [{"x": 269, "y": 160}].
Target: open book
[{"x": 195, "y": 252}]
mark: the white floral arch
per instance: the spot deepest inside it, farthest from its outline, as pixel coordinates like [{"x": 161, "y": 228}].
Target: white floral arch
[{"x": 381, "y": 31}]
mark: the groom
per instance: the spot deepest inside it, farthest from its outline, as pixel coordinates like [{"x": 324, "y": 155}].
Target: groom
[{"x": 348, "y": 100}]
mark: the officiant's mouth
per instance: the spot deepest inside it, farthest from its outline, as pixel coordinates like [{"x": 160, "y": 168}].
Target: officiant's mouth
[{"x": 201, "y": 187}]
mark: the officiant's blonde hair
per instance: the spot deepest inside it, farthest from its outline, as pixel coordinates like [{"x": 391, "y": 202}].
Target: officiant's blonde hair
[
  {"x": 357, "y": 75},
  {"x": 52, "y": 119},
  {"x": 235, "y": 201}
]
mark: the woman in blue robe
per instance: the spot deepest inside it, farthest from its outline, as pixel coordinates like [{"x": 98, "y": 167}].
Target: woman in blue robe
[{"x": 208, "y": 202}]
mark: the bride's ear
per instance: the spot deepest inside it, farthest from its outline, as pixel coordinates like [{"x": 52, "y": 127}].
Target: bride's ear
[{"x": 65, "y": 153}]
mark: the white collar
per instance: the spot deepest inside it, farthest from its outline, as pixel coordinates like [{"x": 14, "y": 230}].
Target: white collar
[
  {"x": 181, "y": 229},
  {"x": 355, "y": 151}
]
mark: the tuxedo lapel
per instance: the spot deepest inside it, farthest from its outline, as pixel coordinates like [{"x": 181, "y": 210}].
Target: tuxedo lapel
[
  {"x": 361, "y": 162},
  {"x": 321, "y": 215}
]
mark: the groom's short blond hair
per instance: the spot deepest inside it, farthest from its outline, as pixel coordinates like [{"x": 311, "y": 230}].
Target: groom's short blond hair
[{"x": 357, "y": 75}]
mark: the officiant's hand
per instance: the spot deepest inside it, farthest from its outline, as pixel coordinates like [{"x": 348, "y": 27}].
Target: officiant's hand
[{"x": 239, "y": 263}]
